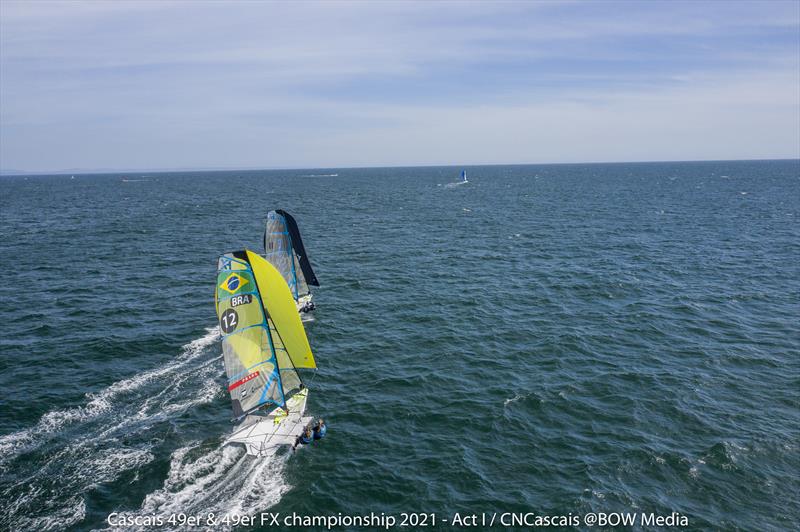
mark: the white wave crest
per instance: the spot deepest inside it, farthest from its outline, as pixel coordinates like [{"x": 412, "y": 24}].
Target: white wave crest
[
  {"x": 514, "y": 399},
  {"x": 72, "y": 511}
]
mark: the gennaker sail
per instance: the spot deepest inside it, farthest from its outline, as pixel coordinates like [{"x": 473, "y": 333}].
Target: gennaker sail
[
  {"x": 283, "y": 248},
  {"x": 264, "y": 345}
]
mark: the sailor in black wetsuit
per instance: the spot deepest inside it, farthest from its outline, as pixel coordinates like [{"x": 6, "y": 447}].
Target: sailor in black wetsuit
[
  {"x": 305, "y": 438},
  {"x": 320, "y": 429}
]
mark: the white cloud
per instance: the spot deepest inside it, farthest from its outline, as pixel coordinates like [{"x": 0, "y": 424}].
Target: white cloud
[{"x": 214, "y": 83}]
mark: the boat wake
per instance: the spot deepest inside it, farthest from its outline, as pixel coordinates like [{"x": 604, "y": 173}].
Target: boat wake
[
  {"x": 51, "y": 469},
  {"x": 219, "y": 480},
  {"x": 50, "y": 424}
]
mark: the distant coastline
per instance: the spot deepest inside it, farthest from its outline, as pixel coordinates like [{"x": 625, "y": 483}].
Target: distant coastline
[{"x": 326, "y": 170}]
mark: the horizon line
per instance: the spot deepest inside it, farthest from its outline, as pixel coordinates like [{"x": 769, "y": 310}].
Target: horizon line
[{"x": 103, "y": 171}]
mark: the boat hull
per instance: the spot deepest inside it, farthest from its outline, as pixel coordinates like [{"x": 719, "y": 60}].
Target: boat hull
[{"x": 262, "y": 434}]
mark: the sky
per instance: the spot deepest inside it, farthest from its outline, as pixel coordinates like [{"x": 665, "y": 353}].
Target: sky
[{"x": 167, "y": 85}]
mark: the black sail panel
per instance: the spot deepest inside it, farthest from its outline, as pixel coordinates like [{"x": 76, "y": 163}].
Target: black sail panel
[{"x": 299, "y": 249}]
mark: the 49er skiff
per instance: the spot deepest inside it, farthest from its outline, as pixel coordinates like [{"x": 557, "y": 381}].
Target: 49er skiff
[
  {"x": 284, "y": 249},
  {"x": 264, "y": 345}
]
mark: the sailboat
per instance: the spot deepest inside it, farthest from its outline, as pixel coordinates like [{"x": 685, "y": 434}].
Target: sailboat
[
  {"x": 462, "y": 181},
  {"x": 264, "y": 345},
  {"x": 284, "y": 249}
]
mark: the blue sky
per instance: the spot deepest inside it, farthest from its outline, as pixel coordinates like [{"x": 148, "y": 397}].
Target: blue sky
[{"x": 143, "y": 85}]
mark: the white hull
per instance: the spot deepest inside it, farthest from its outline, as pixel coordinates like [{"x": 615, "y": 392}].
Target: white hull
[{"x": 262, "y": 434}]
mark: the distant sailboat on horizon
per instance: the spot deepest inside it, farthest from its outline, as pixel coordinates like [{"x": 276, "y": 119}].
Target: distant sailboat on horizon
[{"x": 462, "y": 181}]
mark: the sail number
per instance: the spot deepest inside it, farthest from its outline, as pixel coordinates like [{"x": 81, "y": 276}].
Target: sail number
[
  {"x": 229, "y": 321},
  {"x": 241, "y": 300}
]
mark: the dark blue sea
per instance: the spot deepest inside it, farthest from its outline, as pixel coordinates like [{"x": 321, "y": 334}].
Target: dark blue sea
[{"x": 547, "y": 339}]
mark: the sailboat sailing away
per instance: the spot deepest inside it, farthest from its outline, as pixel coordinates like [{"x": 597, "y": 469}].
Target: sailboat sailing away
[
  {"x": 284, "y": 249},
  {"x": 462, "y": 181},
  {"x": 264, "y": 345}
]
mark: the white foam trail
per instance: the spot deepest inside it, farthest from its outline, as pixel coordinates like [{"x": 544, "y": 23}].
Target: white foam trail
[
  {"x": 11, "y": 445},
  {"x": 74, "y": 511},
  {"x": 83, "y": 469},
  {"x": 54, "y": 489},
  {"x": 86, "y": 463},
  {"x": 172, "y": 401},
  {"x": 222, "y": 480}
]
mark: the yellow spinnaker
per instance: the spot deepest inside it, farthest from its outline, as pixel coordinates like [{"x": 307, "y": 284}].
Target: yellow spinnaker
[{"x": 282, "y": 310}]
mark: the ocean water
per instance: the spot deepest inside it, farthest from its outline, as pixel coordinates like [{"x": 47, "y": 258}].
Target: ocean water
[{"x": 549, "y": 338}]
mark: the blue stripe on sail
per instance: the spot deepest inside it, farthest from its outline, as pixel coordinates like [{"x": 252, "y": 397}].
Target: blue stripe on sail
[
  {"x": 275, "y": 372},
  {"x": 241, "y": 329},
  {"x": 293, "y": 285},
  {"x": 246, "y": 371},
  {"x": 263, "y": 399}
]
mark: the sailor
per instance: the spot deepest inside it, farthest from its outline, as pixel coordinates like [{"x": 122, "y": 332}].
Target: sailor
[
  {"x": 305, "y": 438},
  {"x": 320, "y": 429}
]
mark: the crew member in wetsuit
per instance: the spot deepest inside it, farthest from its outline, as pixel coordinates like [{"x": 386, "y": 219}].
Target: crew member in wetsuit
[
  {"x": 305, "y": 438},
  {"x": 320, "y": 429}
]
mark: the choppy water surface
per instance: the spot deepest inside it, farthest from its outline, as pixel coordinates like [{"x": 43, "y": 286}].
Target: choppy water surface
[{"x": 554, "y": 339}]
